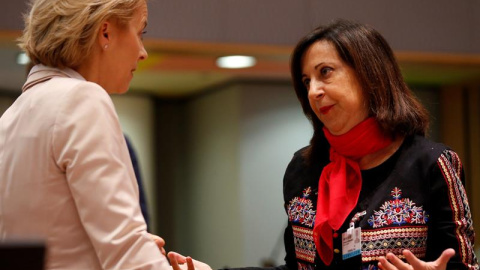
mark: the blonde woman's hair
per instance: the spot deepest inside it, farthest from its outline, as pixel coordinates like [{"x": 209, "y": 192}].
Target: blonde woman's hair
[{"x": 62, "y": 33}]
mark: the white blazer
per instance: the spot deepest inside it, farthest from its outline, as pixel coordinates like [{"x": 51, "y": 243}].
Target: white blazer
[{"x": 66, "y": 176}]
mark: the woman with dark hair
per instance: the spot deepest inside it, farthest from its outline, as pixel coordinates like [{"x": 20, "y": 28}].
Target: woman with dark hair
[{"x": 370, "y": 191}]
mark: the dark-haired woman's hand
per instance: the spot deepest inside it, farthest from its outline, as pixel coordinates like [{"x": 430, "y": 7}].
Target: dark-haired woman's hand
[{"x": 392, "y": 262}]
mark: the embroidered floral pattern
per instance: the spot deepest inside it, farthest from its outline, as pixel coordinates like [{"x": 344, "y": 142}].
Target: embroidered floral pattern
[
  {"x": 304, "y": 245},
  {"x": 398, "y": 211},
  {"x": 300, "y": 210},
  {"x": 301, "y": 213},
  {"x": 377, "y": 243}
]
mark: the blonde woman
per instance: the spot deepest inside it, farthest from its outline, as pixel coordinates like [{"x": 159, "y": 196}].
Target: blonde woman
[{"x": 65, "y": 171}]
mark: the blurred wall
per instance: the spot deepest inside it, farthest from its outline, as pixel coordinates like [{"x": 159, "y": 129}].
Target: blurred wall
[
  {"x": 240, "y": 139},
  {"x": 430, "y": 25}
]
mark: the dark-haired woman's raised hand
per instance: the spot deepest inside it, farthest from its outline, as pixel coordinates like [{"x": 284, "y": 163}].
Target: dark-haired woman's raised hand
[{"x": 392, "y": 262}]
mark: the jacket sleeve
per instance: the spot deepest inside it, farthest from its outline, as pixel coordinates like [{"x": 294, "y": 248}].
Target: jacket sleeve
[
  {"x": 451, "y": 219},
  {"x": 89, "y": 146}
]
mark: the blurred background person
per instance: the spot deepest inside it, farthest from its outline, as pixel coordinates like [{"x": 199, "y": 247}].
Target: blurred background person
[{"x": 138, "y": 176}]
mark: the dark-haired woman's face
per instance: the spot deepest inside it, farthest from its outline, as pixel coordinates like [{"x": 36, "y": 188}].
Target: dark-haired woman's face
[{"x": 334, "y": 93}]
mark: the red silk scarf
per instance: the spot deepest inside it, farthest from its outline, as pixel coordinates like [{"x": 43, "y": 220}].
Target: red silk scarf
[{"x": 341, "y": 180}]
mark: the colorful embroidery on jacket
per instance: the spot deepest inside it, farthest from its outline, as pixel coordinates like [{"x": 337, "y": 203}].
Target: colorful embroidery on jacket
[
  {"x": 300, "y": 210},
  {"x": 304, "y": 245},
  {"x": 451, "y": 168},
  {"x": 377, "y": 243},
  {"x": 398, "y": 211}
]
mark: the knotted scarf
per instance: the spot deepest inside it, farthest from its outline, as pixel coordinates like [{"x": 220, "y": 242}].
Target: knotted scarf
[{"x": 341, "y": 180}]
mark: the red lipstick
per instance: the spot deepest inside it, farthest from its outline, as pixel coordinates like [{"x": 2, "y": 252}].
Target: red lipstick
[{"x": 325, "y": 109}]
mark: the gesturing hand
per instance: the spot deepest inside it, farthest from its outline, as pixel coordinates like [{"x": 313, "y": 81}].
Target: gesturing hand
[
  {"x": 392, "y": 262},
  {"x": 178, "y": 262}
]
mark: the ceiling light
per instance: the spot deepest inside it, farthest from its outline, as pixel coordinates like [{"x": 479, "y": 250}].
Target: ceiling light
[
  {"x": 23, "y": 59},
  {"x": 236, "y": 61}
]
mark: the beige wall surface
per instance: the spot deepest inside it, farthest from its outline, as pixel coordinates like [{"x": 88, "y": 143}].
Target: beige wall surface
[{"x": 212, "y": 220}]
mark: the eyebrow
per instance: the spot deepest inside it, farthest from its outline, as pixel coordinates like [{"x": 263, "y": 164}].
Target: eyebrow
[
  {"x": 315, "y": 68},
  {"x": 319, "y": 64}
]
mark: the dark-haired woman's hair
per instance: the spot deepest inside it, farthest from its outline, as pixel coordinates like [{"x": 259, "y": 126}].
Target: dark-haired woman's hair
[{"x": 391, "y": 102}]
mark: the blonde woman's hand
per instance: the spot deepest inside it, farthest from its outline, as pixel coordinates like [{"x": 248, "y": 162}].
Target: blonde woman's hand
[
  {"x": 159, "y": 242},
  {"x": 392, "y": 262},
  {"x": 178, "y": 262}
]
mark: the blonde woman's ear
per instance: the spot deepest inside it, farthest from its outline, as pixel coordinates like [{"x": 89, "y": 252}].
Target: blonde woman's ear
[
  {"x": 104, "y": 31},
  {"x": 104, "y": 37}
]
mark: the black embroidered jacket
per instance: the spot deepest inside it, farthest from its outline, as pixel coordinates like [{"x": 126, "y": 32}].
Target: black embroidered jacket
[{"x": 415, "y": 200}]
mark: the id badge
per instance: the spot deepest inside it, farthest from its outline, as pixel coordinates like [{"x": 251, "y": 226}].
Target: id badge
[{"x": 351, "y": 243}]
